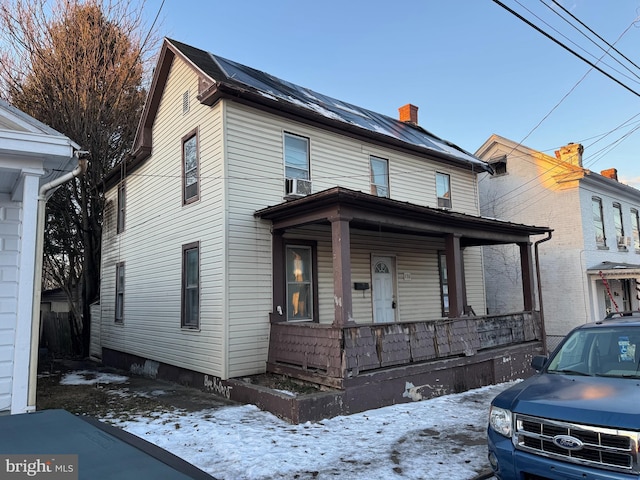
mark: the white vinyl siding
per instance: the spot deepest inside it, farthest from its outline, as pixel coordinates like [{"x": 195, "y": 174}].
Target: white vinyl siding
[
  {"x": 417, "y": 256},
  {"x": 157, "y": 226},
  {"x": 241, "y": 158},
  {"x": 9, "y": 260}
]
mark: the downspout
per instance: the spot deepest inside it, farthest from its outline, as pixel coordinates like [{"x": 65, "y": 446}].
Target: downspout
[
  {"x": 543, "y": 328},
  {"x": 45, "y": 193}
]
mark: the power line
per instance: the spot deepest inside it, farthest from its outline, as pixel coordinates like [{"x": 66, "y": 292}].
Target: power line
[{"x": 558, "y": 42}]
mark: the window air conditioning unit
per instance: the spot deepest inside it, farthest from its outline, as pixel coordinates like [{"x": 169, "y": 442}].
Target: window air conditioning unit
[
  {"x": 624, "y": 241},
  {"x": 297, "y": 187}
]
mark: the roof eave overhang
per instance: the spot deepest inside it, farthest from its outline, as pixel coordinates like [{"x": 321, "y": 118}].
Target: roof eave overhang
[{"x": 371, "y": 212}]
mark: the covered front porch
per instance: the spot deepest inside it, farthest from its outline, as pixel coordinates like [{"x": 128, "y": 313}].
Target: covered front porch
[{"x": 348, "y": 350}]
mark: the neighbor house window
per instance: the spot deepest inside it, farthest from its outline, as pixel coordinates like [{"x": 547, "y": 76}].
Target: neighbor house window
[
  {"x": 443, "y": 190},
  {"x": 296, "y": 157},
  {"x": 499, "y": 165},
  {"x": 617, "y": 221},
  {"x": 119, "y": 310},
  {"x": 190, "y": 165},
  {"x": 121, "y": 207},
  {"x": 379, "y": 176},
  {"x": 444, "y": 283},
  {"x": 191, "y": 285},
  {"x": 635, "y": 228},
  {"x": 299, "y": 273},
  {"x": 598, "y": 221}
]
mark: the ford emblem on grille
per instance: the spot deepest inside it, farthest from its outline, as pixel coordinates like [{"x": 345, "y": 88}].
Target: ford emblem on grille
[{"x": 568, "y": 442}]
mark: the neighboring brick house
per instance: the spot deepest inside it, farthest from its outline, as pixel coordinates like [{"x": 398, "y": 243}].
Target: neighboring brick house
[
  {"x": 33, "y": 158},
  {"x": 263, "y": 227},
  {"x": 591, "y": 266}
]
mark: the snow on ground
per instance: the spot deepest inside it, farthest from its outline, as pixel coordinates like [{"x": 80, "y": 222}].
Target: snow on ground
[
  {"x": 86, "y": 377},
  {"x": 441, "y": 438}
]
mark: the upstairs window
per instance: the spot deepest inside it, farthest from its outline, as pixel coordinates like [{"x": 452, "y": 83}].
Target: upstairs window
[
  {"x": 191, "y": 285},
  {"x": 635, "y": 229},
  {"x": 121, "y": 207},
  {"x": 617, "y": 221},
  {"x": 119, "y": 310},
  {"x": 296, "y": 157},
  {"x": 598, "y": 222},
  {"x": 191, "y": 167},
  {"x": 443, "y": 190},
  {"x": 379, "y": 176}
]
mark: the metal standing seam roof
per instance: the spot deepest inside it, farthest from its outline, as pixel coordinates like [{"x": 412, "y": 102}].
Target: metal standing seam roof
[{"x": 224, "y": 71}]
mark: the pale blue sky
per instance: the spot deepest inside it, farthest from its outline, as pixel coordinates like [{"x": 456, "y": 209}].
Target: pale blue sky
[{"x": 472, "y": 68}]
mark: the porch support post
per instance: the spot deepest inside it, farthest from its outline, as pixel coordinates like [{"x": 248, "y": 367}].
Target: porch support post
[
  {"x": 341, "y": 247},
  {"x": 526, "y": 265},
  {"x": 278, "y": 268},
  {"x": 454, "y": 275}
]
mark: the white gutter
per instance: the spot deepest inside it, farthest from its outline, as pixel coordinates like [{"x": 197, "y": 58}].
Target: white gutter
[{"x": 45, "y": 193}]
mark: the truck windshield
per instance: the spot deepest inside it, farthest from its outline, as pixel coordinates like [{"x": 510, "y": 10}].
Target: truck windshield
[{"x": 600, "y": 351}]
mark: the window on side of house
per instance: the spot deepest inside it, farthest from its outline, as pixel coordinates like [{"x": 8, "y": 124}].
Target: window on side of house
[
  {"x": 300, "y": 285},
  {"x": 598, "y": 222},
  {"x": 499, "y": 165},
  {"x": 191, "y": 168},
  {"x": 296, "y": 157},
  {"x": 617, "y": 221},
  {"x": 191, "y": 285},
  {"x": 122, "y": 198},
  {"x": 443, "y": 190},
  {"x": 119, "y": 310},
  {"x": 635, "y": 229},
  {"x": 379, "y": 176},
  {"x": 444, "y": 283}
]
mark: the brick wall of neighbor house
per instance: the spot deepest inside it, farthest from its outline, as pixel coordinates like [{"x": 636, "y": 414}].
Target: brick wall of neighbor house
[
  {"x": 157, "y": 225},
  {"x": 9, "y": 254},
  {"x": 560, "y": 197}
]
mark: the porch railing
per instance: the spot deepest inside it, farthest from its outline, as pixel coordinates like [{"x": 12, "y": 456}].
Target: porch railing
[{"x": 343, "y": 352}]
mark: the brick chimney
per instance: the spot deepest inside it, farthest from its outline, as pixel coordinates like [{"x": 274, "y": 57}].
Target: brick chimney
[
  {"x": 409, "y": 113},
  {"x": 571, "y": 154},
  {"x": 611, "y": 173}
]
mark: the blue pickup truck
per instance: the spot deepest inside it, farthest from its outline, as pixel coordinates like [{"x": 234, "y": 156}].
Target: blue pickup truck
[{"x": 578, "y": 417}]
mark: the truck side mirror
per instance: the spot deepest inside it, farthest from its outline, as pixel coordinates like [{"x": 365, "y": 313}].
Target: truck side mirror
[{"x": 538, "y": 362}]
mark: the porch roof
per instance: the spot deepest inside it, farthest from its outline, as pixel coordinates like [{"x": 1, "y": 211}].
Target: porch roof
[
  {"x": 615, "y": 270},
  {"x": 370, "y": 212}
]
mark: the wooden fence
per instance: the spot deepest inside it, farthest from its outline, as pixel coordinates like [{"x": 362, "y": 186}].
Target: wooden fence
[{"x": 60, "y": 334}]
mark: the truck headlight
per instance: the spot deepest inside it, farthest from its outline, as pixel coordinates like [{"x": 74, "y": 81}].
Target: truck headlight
[{"x": 500, "y": 421}]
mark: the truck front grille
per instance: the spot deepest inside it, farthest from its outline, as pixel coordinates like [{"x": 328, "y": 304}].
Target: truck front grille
[{"x": 605, "y": 448}]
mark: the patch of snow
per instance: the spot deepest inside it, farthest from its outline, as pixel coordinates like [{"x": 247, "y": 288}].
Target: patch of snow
[
  {"x": 440, "y": 438},
  {"x": 86, "y": 377}
]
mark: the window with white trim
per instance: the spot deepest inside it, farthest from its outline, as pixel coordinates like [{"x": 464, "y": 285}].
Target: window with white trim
[
  {"x": 443, "y": 190},
  {"x": 379, "y": 176},
  {"x": 598, "y": 222},
  {"x": 296, "y": 157},
  {"x": 619, "y": 225},
  {"x": 635, "y": 229}
]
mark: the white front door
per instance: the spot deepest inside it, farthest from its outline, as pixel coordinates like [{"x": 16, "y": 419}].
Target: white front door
[{"x": 383, "y": 289}]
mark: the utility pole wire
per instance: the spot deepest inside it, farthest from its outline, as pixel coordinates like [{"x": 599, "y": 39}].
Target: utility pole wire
[
  {"x": 600, "y": 38},
  {"x": 532, "y": 25}
]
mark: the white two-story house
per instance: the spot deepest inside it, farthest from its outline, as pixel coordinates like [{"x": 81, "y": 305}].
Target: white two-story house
[
  {"x": 592, "y": 265},
  {"x": 263, "y": 227}
]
